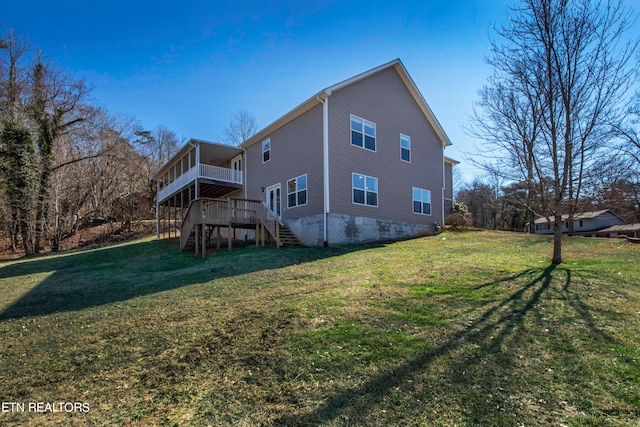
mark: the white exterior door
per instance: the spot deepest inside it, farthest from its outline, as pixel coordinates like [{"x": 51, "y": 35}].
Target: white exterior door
[{"x": 273, "y": 199}]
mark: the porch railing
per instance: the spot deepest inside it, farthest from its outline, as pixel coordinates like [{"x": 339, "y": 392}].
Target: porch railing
[{"x": 215, "y": 173}]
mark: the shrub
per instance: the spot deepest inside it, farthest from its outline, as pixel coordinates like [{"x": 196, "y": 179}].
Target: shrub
[{"x": 459, "y": 218}]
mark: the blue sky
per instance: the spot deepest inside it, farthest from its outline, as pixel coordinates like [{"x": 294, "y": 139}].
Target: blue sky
[{"x": 190, "y": 65}]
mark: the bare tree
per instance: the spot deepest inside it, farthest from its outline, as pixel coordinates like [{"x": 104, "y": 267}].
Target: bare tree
[
  {"x": 560, "y": 77},
  {"x": 156, "y": 147},
  {"x": 55, "y": 110},
  {"x": 629, "y": 132},
  {"x": 241, "y": 127},
  {"x": 39, "y": 105}
]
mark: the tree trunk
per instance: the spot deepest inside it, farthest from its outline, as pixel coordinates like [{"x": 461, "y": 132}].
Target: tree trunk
[
  {"x": 14, "y": 229},
  {"x": 557, "y": 234},
  {"x": 557, "y": 246}
]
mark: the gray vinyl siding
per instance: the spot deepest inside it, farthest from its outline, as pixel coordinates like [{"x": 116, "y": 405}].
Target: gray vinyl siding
[
  {"x": 296, "y": 149},
  {"x": 385, "y": 100}
]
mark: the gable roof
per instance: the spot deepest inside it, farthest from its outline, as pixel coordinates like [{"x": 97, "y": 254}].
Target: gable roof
[
  {"x": 585, "y": 215},
  {"x": 625, "y": 227},
  {"x": 319, "y": 97}
]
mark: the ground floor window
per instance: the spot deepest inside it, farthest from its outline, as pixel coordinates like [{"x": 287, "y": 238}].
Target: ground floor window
[
  {"x": 421, "y": 201},
  {"x": 365, "y": 189},
  {"x": 297, "y": 191}
]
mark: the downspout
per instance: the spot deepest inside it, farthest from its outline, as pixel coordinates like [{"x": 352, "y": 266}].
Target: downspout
[
  {"x": 244, "y": 172},
  {"x": 325, "y": 164},
  {"x": 244, "y": 187},
  {"x": 444, "y": 184},
  {"x": 158, "y": 209}
]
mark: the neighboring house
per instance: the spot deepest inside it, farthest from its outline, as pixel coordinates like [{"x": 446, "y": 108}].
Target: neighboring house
[
  {"x": 583, "y": 223},
  {"x": 629, "y": 230},
  {"x": 359, "y": 161}
]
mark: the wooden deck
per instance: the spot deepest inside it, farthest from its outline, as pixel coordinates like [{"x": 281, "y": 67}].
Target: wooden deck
[{"x": 233, "y": 213}]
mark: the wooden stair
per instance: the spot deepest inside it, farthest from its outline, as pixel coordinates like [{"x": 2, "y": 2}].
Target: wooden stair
[
  {"x": 191, "y": 240},
  {"x": 287, "y": 238},
  {"x": 190, "y": 244}
]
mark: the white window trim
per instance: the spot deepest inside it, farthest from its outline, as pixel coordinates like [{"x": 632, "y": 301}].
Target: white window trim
[
  {"x": 430, "y": 201},
  {"x": 236, "y": 163},
  {"x": 268, "y": 140},
  {"x": 297, "y": 191},
  {"x": 402, "y": 148},
  {"x": 364, "y": 122},
  {"x": 365, "y": 191}
]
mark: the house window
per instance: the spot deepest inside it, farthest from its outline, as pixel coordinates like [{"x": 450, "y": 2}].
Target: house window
[
  {"x": 266, "y": 150},
  {"x": 236, "y": 164},
  {"x": 363, "y": 133},
  {"x": 365, "y": 189},
  {"x": 421, "y": 201},
  {"x": 405, "y": 148},
  {"x": 297, "y": 191}
]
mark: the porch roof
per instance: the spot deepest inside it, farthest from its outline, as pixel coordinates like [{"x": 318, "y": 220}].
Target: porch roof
[{"x": 211, "y": 153}]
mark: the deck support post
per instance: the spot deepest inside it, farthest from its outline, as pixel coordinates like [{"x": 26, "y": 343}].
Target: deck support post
[
  {"x": 181, "y": 211},
  {"x": 218, "y": 237},
  {"x": 196, "y": 244},
  {"x": 204, "y": 240},
  {"x": 277, "y": 232},
  {"x": 262, "y": 236},
  {"x": 164, "y": 220}
]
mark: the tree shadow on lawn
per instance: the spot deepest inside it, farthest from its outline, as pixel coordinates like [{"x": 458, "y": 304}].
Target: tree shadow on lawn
[
  {"x": 86, "y": 279},
  {"x": 496, "y": 337}
]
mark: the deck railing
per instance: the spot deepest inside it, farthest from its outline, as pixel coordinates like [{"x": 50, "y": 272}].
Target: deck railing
[
  {"x": 215, "y": 173},
  {"x": 269, "y": 219},
  {"x": 225, "y": 212}
]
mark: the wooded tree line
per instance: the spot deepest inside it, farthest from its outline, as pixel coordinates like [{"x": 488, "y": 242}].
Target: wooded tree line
[
  {"x": 498, "y": 206},
  {"x": 66, "y": 162},
  {"x": 557, "y": 115}
]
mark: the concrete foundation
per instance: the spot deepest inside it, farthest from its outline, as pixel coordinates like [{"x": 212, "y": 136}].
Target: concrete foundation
[
  {"x": 308, "y": 229},
  {"x": 349, "y": 229}
]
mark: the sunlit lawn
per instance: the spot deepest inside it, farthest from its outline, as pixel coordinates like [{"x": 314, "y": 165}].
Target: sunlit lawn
[{"x": 469, "y": 328}]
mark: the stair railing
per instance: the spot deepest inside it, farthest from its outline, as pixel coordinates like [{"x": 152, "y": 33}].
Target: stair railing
[
  {"x": 269, "y": 220},
  {"x": 189, "y": 221}
]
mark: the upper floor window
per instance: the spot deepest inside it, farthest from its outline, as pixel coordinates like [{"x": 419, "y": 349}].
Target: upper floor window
[
  {"x": 297, "y": 191},
  {"x": 266, "y": 150},
  {"x": 363, "y": 133},
  {"x": 421, "y": 201},
  {"x": 365, "y": 189},
  {"x": 405, "y": 148}
]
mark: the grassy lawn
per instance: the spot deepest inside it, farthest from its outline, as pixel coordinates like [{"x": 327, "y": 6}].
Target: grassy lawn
[{"x": 460, "y": 329}]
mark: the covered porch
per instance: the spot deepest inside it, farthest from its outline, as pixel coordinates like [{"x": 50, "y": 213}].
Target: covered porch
[{"x": 200, "y": 169}]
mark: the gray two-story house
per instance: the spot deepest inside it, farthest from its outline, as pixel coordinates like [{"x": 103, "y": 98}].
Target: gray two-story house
[{"x": 362, "y": 160}]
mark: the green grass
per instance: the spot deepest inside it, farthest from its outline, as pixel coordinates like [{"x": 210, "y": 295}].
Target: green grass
[{"x": 463, "y": 329}]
